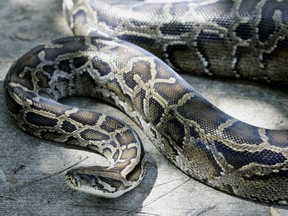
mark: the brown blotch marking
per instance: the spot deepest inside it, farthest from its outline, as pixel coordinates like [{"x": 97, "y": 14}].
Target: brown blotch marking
[
  {"x": 85, "y": 117},
  {"x": 143, "y": 69},
  {"x": 217, "y": 51},
  {"x": 246, "y": 65},
  {"x": 175, "y": 130},
  {"x": 122, "y": 165},
  {"x": 200, "y": 158},
  {"x": 129, "y": 153},
  {"x": 114, "y": 86},
  {"x": 243, "y": 133},
  {"x": 129, "y": 79},
  {"x": 40, "y": 120},
  {"x": 163, "y": 71},
  {"x": 125, "y": 138},
  {"x": 139, "y": 102},
  {"x": 278, "y": 138},
  {"x": 68, "y": 126},
  {"x": 49, "y": 106},
  {"x": 93, "y": 135},
  {"x": 200, "y": 110},
  {"x": 123, "y": 55},
  {"x": 111, "y": 124},
  {"x": 171, "y": 92},
  {"x": 276, "y": 62},
  {"x": 102, "y": 67},
  {"x": 184, "y": 59},
  {"x": 155, "y": 110}
]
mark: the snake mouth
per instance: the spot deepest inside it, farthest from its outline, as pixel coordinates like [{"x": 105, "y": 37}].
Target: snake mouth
[{"x": 71, "y": 180}]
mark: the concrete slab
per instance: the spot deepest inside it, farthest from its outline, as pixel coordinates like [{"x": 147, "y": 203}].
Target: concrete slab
[{"x": 32, "y": 170}]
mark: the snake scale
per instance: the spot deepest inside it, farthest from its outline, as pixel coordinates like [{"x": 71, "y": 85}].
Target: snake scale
[{"x": 249, "y": 39}]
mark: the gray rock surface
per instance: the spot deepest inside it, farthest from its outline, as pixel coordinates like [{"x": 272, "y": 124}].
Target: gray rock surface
[{"x": 32, "y": 170}]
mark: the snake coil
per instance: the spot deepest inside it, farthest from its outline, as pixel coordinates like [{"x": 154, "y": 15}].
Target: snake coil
[{"x": 197, "y": 137}]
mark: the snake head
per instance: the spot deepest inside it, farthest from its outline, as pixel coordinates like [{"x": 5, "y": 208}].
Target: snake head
[{"x": 99, "y": 181}]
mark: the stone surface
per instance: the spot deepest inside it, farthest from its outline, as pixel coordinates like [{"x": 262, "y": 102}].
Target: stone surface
[{"x": 32, "y": 170}]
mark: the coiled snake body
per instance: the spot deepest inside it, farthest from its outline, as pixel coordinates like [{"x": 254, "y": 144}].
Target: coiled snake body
[{"x": 201, "y": 140}]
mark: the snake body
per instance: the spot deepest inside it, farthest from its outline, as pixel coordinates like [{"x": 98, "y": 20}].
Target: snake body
[
  {"x": 196, "y": 136},
  {"x": 224, "y": 38}
]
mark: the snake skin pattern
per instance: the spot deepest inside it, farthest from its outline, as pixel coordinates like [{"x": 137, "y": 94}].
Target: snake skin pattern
[
  {"x": 244, "y": 38},
  {"x": 197, "y": 137}
]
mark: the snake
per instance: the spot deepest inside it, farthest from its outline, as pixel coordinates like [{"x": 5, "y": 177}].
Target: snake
[{"x": 101, "y": 62}]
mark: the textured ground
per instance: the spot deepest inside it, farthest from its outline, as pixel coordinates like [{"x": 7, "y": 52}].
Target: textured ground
[{"x": 32, "y": 170}]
